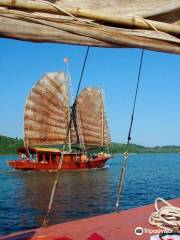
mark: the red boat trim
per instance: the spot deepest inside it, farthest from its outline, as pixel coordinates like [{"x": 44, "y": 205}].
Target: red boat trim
[{"x": 114, "y": 226}]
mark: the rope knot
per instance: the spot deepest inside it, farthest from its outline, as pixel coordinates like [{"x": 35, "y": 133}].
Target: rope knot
[
  {"x": 126, "y": 154},
  {"x": 45, "y": 222}
]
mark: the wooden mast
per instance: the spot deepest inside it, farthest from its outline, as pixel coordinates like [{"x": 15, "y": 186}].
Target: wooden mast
[
  {"x": 102, "y": 120},
  {"x": 66, "y": 61}
]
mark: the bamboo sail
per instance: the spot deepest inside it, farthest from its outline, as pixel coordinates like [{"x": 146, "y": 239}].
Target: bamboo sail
[
  {"x": 46, "y": 114},
  {"x": 92, "y": 124},
  {"x": 149, "y": 24}
]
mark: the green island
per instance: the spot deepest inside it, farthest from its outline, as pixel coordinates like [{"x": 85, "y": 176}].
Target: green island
[{"x": 9, "y": 145}]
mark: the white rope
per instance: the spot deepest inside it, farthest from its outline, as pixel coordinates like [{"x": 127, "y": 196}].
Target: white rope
[
  {"x": 167, "y": 217},
  {"x": 60, "y": 9},
  {"x": 154, "y": 28},
  {"x": 68, "y": 13}
]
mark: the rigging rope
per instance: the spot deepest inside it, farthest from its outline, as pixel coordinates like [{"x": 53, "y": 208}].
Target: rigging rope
[
  {"x": 166, "y": 217},
  {"x": 59, "y": 169},
  {"x": 82, "y": 72},
  {"x": 27, "y": 150},
  {"x": 129, "y": 137},
  {"x": 77, "y": 92}
]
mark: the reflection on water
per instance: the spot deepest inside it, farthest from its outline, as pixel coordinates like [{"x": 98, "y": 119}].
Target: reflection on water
[{"x": 24, "y": 196}]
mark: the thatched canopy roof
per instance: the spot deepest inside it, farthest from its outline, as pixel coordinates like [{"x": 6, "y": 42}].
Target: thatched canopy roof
[{"x": 148, "y": 24}]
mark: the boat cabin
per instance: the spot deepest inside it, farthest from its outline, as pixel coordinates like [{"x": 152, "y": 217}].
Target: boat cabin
[{"x": 39, "y": 154}]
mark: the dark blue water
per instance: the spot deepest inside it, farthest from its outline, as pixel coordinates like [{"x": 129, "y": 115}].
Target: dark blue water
[{"x": 24, "y": 196}]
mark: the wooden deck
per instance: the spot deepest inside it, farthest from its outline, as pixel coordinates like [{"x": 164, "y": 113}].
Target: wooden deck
[{"x": 114, "y": 226}]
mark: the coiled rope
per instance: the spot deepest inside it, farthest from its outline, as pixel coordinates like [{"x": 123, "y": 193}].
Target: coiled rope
[{"x": 166, "y": 217}]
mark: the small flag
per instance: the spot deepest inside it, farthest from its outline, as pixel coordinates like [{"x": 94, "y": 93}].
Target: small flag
[{"x": 66, "y": 60}]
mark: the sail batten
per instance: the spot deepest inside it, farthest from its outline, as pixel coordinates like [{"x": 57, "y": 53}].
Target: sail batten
[
  {"x": 45, "y": 106},
  {"x": 39, "y": 129},
  {"x": 41, "y": 90},
  {"x": 46, "y": 120}
]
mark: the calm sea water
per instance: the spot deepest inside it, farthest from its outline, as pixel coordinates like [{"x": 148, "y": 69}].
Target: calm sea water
[{"x": 24, "y": 196}]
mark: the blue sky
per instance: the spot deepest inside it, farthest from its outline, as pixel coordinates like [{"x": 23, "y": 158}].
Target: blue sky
[{"x": 157, "y": 116}]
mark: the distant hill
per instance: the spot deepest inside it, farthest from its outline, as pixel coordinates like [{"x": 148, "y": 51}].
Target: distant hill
[
  {"x": 9, "y": 145},
  {"x": 133, "y": 148}
]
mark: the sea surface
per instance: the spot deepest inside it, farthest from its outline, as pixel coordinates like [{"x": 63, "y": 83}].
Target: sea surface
[{"x": 24, "y": 196}]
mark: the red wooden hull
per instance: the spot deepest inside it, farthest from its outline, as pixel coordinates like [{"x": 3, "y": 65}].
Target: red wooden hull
[{"x": 69, "y": 163}]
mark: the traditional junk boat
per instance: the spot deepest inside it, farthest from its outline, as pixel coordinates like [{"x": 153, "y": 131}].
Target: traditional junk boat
[
  {"x": 49, "y": 120},
  {"x": 152, "y": 25}
]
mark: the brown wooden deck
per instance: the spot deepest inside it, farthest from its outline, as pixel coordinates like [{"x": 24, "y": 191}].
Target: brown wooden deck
[{"x": 114, "y": 226}]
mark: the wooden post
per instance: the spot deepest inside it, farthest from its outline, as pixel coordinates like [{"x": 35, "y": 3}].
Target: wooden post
[{"x": 37, "y": 157}]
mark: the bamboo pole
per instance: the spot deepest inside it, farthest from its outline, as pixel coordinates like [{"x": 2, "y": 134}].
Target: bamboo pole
[
  {"x": 46, "y": 31},
  {"x": 133, "y": 22},
  {"x": 49, "y": 20}
]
